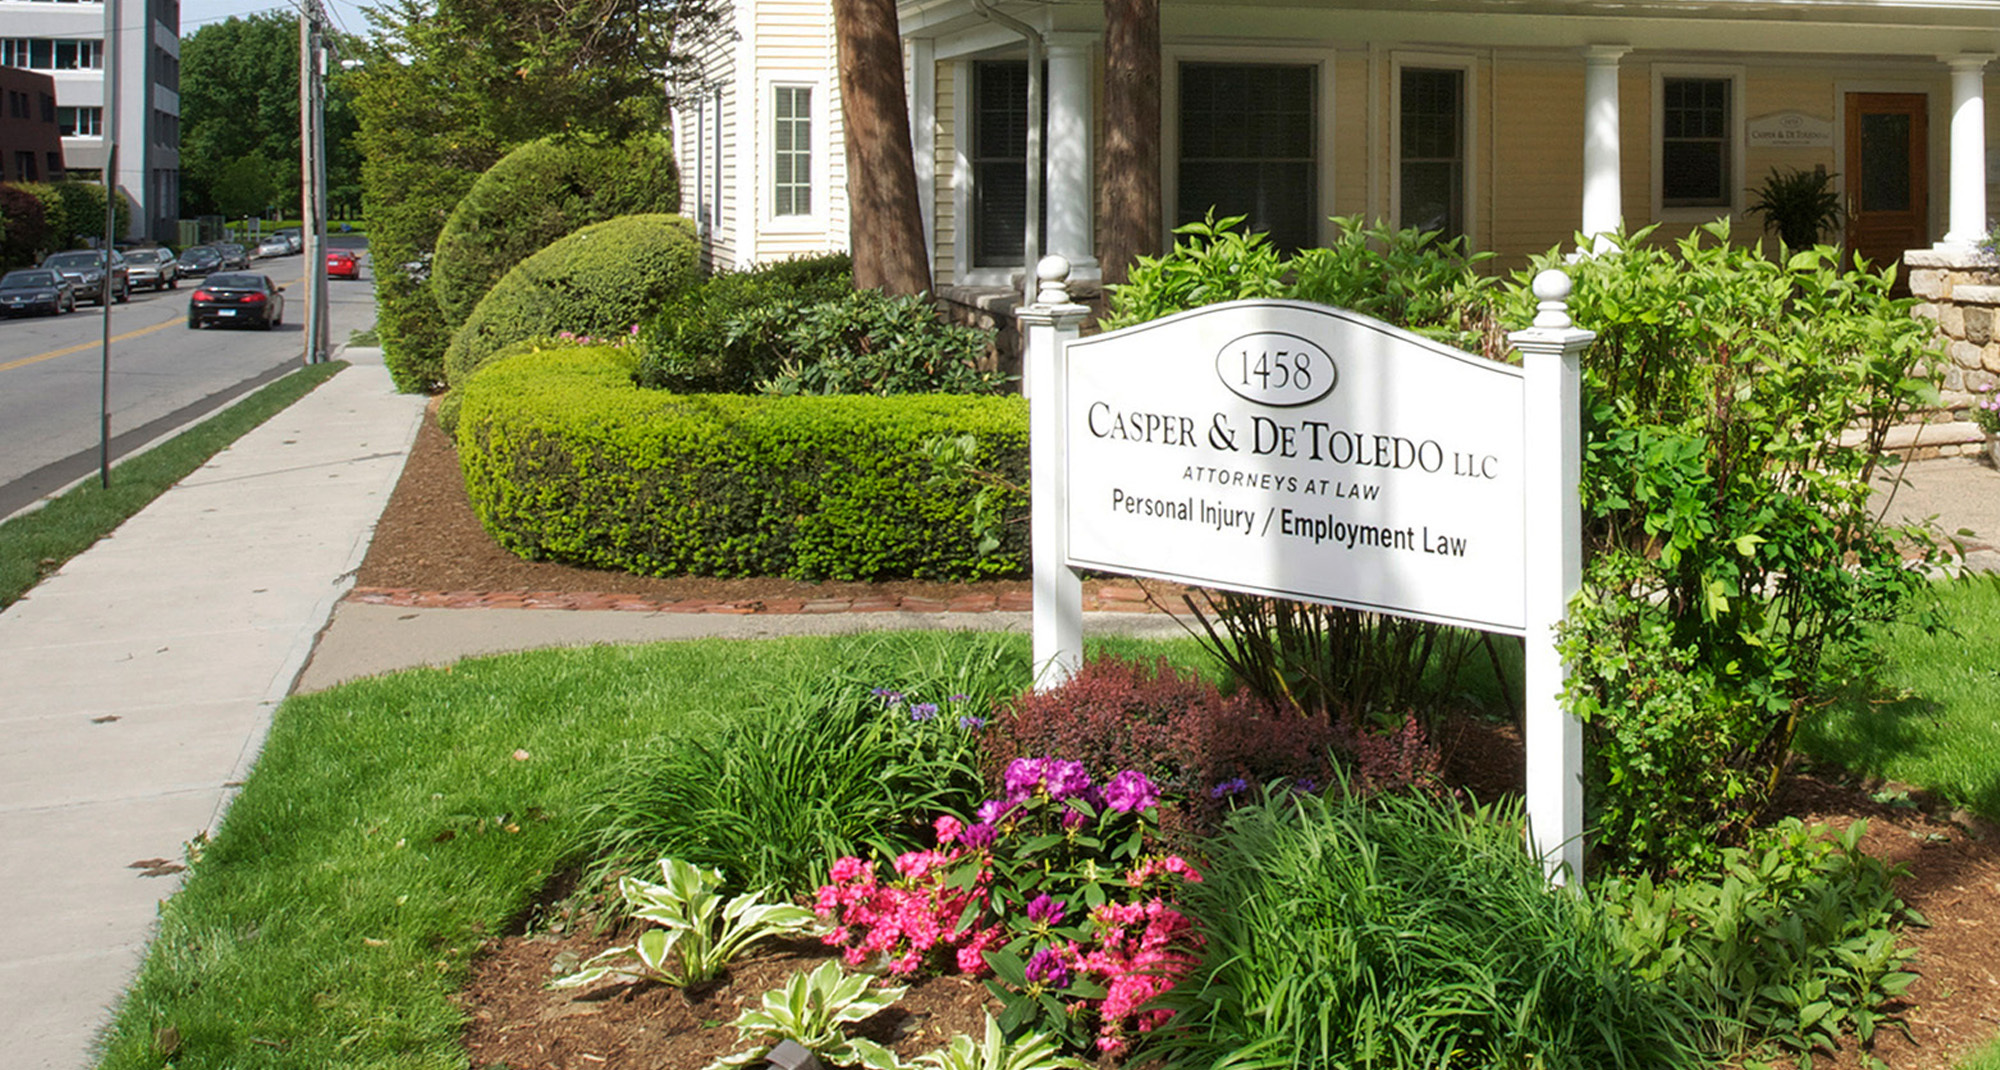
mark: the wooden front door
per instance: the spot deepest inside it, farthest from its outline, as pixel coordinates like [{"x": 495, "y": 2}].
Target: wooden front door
[{"x": 1888, "y": 180}]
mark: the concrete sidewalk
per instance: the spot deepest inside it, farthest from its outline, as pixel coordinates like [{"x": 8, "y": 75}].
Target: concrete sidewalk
[{"x": 137, "y": 683}]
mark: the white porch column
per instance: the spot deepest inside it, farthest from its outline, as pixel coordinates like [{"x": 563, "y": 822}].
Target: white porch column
[
  {"x": 1967, "y": 223},
  {"x": 923, "y": 136},
  {"x": 1072, "y": 205},
  {"x": 1603, "y": 193}
]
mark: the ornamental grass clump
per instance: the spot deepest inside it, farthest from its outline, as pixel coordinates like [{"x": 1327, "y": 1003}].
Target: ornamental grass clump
[{"x": 1406, "y": 931}]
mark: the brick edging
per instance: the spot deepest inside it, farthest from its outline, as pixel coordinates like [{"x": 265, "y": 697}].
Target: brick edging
[{"x": 1109, "y": 598}]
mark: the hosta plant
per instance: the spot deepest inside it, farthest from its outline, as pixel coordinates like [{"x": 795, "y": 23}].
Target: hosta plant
[
  {"x": 811, "y": 1010},
  {"x": 699, "y": 933},
  {"x": 1031, "y": 1051}
]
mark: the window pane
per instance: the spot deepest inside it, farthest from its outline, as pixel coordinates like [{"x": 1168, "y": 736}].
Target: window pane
[
  {"x": 1247, "y": 148},
  {"x": 1000, "y": 163},
  {"x": 1695, "y": 121},
  {"x": 791, "y": 150},
  {"x": 1885, "y": 163}
]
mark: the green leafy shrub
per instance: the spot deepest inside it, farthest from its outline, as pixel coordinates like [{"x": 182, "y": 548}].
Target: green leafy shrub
[
  {"x": 28, "y": 234},
  {"x": 565, "y": 460},
  {"x": 698, "y": 933},
  {"x": 1417, "y": 280},
  {"x": 868, "y": 342},
  {"x": 82, "y": 213},
  {"x": 538, "y": 193},
  {"x": 600, "y": 280},
  {"x": 1728, "y": 539},
  {"x": 1791, "y": 944},
  {"x": 824, "y": 768},
  {"x": 1407, "y": 932},
  {"x": 721, "y": 336},
  {"x": 1212, "y": 263}
]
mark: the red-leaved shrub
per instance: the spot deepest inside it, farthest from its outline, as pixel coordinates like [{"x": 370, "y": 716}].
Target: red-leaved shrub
[{"x": 1182, "y": 732}]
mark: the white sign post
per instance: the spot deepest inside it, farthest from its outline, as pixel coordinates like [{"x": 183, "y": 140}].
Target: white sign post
[{"x": 1298, "y": 451}]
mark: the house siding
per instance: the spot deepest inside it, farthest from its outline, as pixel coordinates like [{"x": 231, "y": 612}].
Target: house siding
[{"x": 944, "y": 229}]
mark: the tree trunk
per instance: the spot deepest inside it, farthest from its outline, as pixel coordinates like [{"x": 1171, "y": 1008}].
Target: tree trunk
[
  {"x": 1129, "y": 169},
  {"x": 885, "y": 221}
]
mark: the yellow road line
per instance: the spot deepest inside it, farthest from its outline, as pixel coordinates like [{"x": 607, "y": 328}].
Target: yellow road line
[
  {"x": 141, "y": 332},
  {"x": 94, "y": 344}
]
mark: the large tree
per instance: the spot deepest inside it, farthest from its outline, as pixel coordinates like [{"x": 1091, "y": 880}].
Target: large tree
[
  {"x": 240, "y": 98},
  {"x": 1129, "y": 212},
  {"x": 885, "y": 221}
]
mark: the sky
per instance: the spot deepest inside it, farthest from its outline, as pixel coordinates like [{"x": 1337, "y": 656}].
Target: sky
[{"x": 195, "y": 14}]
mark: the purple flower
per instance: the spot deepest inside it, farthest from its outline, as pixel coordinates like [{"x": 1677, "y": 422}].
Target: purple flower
[
  {"x": 1305, "y": 785},
  {"x": 993, "y": 811},
  {"x": 887, "y": 696},
  {"x": 1229, "y": 787},
  {"x": 1047, "y": 968},
  {"x": 969, "y": 722},
  {"x": 923, "y": 711},
  {"x": 1045, "y": 910},
  {"x": 978, "y": 836},
  {"x": 959, "y": 698},
  {"x": 1074, "y": 819},
  {"x": 1130, "y": 792}
]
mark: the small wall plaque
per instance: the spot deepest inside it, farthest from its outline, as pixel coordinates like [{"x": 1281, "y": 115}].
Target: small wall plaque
[{"x": 1790, "y": 130}]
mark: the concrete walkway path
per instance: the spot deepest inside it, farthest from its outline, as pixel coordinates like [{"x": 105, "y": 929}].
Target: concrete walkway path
[{"x": 137, "y": 683}]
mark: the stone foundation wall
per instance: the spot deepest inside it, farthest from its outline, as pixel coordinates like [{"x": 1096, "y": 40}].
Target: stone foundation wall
[
  {"x": 1960, "y": 292},
  {"x": 991, "y": 308}
]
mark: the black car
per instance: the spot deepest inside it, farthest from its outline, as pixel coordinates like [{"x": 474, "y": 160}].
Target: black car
[
  {"x": 234, "y": 256},
  {"x": 199, "y": 261},
  {"x": 85, "y": 270},
  {"x": 36, "y": 290},
  {"x": 236, "y": 297}
]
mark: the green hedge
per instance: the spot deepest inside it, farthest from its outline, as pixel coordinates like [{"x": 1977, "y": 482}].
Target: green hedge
[
  {"x": 566, "y": 460},
  {"x": 538, "y": 193},
  {"x": 602, "y": 280}
]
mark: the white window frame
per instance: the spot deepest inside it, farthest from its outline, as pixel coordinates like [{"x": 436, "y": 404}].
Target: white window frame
[
  {"x": 1739, "y": 108},
  {"x": 1324, "y": 104},
  {"x": 1468, "y": 103},
  {"x": 814, "y": 221}
]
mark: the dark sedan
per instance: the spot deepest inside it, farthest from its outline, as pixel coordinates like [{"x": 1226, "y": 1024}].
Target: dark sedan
[
  {"x": 237, "y": 298},
  {"x": 199, "y": 261},
  {"x": 234, "y": 256},
  {"x": 36, "y": 290}
]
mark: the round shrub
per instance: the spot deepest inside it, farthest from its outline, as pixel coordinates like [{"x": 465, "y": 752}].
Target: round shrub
[
  {"x": 538, "y": 193},
  {"x": 601, "y": 280}
]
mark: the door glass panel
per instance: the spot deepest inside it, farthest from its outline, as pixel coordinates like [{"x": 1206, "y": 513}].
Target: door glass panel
[{"x": 1885, "y": 163}]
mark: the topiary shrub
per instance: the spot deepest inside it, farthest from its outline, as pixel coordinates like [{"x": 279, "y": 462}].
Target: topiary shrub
[
  {"x": 565, "y": 460},
  {"x": 538, "y": 193},
  {"x": 601, "y": 280},
  {"x": 722, "y": 336}
]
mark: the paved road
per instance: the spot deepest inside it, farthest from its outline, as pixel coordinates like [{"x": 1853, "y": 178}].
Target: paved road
[{"x": 162, "y": 375}]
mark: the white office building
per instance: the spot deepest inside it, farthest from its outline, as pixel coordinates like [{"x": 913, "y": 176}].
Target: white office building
[{"x": 66, "y": 40}]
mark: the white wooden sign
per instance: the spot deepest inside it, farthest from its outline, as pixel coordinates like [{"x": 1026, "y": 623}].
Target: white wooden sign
[
  {"x": 1304, "y": 452},
  {"x": 1289, "y": 449}
]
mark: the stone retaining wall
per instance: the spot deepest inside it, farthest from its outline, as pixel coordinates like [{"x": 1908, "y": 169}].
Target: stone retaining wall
[{"x": 1960, "y": 291}]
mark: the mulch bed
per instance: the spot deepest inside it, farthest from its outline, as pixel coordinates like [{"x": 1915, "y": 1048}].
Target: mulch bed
[{"x": 428, "y": 541}]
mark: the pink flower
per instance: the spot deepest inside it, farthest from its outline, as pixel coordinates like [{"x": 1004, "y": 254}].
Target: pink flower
[
  {"x": 1131, "y": 792},
  {"x": 948, "y": 829}
]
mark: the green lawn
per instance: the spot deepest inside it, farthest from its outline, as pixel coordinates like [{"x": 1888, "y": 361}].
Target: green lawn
[
  {"x": 36, "y": 544},
  {"x": 1929, "y": 714},
  {"x": 392, "y": 824}
]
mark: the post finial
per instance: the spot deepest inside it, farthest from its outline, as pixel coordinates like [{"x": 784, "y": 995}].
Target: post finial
[
  {"x": 1052, "y": 280},
  {"x": 1552, "y": 289}
]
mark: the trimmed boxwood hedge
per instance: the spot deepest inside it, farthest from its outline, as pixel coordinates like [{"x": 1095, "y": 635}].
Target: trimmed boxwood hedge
[
  {"x": 601, "y": 281},
  {"x": 566, "y": 460}
]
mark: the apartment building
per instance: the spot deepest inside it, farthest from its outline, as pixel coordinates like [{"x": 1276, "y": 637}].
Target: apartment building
[{"x": 66, "y": 40}]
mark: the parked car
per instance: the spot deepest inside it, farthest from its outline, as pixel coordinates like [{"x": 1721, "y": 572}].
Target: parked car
[
  {"x": 294, "y": 237},
  {"x": 341, "y": 264},
  {"x": 154, "y": 268},
  {"x": 237, "y": 297},
  {"x": 275, "y": 245},
  {"x": 85, "y": 270},
  {"x": 36, "y": 290},
  {"x": 234, "y": 256},
  {"x": 199, "y": 260}
]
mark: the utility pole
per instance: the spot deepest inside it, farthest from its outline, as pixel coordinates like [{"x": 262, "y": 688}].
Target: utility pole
[
  {"x": 312, "y": 173},
  {"x": 111, "y": 28}
]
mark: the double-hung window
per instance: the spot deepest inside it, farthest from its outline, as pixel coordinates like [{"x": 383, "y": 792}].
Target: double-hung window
[
  {"x": 791, "y": 151},
  {"x": 1431, "y": 150},
  {"x": 1697, "y": 144},
  {"x": 1247, "y": 148}
]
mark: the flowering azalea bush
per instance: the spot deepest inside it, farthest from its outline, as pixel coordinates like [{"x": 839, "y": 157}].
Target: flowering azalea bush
[{"x": 1053, "y": 893}]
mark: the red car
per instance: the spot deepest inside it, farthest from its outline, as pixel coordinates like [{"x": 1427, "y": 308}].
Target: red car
[{"x": 341, "y": 264}]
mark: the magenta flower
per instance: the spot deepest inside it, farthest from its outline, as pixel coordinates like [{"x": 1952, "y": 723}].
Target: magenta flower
[
  {"x": 1046, "y": 967},
  {"x": 1045, "y": 910},
  {"x": 1130, "y": 792},
  {"x": 978, "y": 837}
]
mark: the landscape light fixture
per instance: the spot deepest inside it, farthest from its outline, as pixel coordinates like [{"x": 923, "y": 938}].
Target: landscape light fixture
[{"x": 788, "y": 1055}]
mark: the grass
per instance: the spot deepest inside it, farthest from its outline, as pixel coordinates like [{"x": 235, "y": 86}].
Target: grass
[
  {"x": 369, "y": 337},
  {"x": 1928, "y": 713},
  {"x": 1986, "y": 1058},
  {"x": 36, "y": 544},
  {"x": 392, "y": 824}
]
